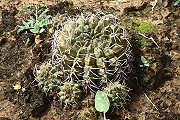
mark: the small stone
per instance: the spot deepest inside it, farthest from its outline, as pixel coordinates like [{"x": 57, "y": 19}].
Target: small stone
[{"x": 17, "y": 86}]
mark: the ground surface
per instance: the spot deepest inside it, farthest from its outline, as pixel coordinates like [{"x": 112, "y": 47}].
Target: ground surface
[{"x": 155, "y": 90}]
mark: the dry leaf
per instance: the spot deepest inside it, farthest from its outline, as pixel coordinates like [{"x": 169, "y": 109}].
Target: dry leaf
[
  {"x": 17, "y": 86},
  {"x": 165, "y": 12},
  {"x": 38, "y": 39},
  {"x": 165, "y": 3},
  {"x": 157, "y": 22}
]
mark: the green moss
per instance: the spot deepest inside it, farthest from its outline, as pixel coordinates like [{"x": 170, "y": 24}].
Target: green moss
[
  {"x": 145, "y": 13},
  {"x": 140, "y": 42},
  {"x": 127, "y": 24},
  {"x": 144, "y": 26}
]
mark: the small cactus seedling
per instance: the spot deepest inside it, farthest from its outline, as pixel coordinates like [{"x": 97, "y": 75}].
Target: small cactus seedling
[
  {"x": 117, "y": 93},
  {"x": 93, "y": 50},
  {"x": 144, "y": 61},
  {"x": 48, "y": 76},
  {"x": 70, "y": 92}
]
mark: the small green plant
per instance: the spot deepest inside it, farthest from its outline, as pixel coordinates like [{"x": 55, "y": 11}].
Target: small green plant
[
  {"x": 37, "y": 22},
  {"x": 140, "y": 42},
  {"x": 144, "y": 26},
  {"x": 144, "y": 61},
  {"x": 102, "y": 102},
  {"x": 177, "y": 3}
]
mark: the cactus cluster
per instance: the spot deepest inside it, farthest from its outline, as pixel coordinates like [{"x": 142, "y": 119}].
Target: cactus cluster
[
  {"x": 48, "y": 76},
  {"x": 92, "y": 50},
  {"x": 70, "y": 92},
  {"x": 117, "y": 93},
  {"x": 89, "y": 52}
]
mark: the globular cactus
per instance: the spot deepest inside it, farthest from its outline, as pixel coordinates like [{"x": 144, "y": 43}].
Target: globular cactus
[
  {"x": 48, "y": 76},
  {"x": 117, "y": 93},
  {"x": 92, "y": 50},
  {"x": 70, "y": 92}
]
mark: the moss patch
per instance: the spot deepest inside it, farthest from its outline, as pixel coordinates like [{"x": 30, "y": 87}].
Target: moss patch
[
  {"x": 140, "y": 42},
  {"x": 144, "y": 26}
]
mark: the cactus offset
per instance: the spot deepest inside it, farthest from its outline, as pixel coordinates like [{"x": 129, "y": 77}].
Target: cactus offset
[
  {"x": 93, "y": 50},
  {"x": 117, "y": 93},
  {"x": 48, "y": 76},
  {"x": 70, "y": 92}
]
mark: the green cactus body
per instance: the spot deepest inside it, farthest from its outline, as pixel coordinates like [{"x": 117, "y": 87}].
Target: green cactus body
[
  {"x": 91, "y": 48},
  {"x": 70, "y": 92},
  {"x": 48, "y": 76},
  {"x": 117, "y": 93}
]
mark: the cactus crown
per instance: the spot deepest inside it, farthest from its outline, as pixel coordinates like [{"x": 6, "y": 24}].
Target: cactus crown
[{"x": 92, "y": 50}]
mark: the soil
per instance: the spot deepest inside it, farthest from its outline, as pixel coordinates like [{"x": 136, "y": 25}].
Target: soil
[{"x": 155, "y": 89}]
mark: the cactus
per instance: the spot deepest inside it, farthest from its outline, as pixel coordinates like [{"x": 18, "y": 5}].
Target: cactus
[
  {"x": 70, "y": 92},
  {"x": 117, "y": 93},
  {"x": 92, "y": 50},
  {"x": 48, "y": 76}
]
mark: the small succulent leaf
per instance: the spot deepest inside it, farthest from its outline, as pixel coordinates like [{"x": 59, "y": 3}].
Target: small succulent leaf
[
  {"x": 31, "y": 18},
  {"x": 43, "y": 13},
  {"x": 35, "y": 14},
  {"x": 26, "y": 9},
  {"x": 41, "y": 30},
  {"x": 47, "y": 19},
  {"x": 33, "y": 30},
  {"x": 30, "y": 5},
  {"x": 45, "y": 22},
  {"x": 177, "y": 2},
  {"x": 146, "y": 65},
  {"x": 37, "y": 25},
  {"x": 101, "y": 102},
  {"x": 25, "y": 23},
  {"x": 22, "y": 28},
  {"x": 143, "y": 59},
  {"x": 48, "y": 16},
  {"x": 40, "y": 24},
  {"x": 19, "y": 30},
  {"x": 31, "y": 22}
]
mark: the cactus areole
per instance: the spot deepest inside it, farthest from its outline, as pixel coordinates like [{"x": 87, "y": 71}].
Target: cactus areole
[{"x": 92, "y": 50}]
